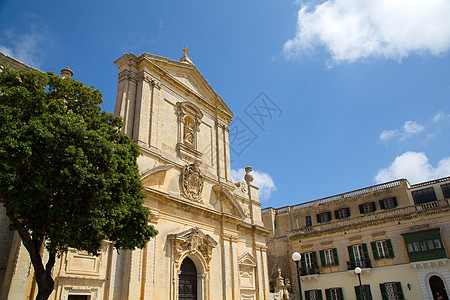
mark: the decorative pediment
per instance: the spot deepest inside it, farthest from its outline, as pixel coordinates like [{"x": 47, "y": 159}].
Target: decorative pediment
[
  {"x": 247, "y": 259},
  {"x": 155, "y": 177},
  {"x": 230, "y": 201},
  {"x": 192, "y": 241},
  {"x": 189, "y": 76}
]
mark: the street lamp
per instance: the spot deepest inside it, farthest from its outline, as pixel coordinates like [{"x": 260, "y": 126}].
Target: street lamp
[
  {"x": 358, "y": 272},
  {"x": 296, "y": 257}
]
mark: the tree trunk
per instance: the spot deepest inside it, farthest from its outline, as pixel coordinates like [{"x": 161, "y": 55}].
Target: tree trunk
[{"x": 33, "y": 245}]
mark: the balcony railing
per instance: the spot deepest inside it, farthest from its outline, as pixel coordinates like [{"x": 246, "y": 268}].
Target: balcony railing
[
  {"x": 380, "y": 216},
  {"x": 362, "y": 263}
]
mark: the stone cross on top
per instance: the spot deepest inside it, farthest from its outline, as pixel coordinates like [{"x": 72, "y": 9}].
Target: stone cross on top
[
  {"x": 185, "y": 51},
  {"x": 185, "y": 58}
]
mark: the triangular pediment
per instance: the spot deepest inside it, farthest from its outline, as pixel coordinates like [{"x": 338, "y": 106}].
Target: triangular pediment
[
  {"x": 189, "y": 76},
  {"x": 247, "y": 259},
  {"x": 231, "y": 203}
]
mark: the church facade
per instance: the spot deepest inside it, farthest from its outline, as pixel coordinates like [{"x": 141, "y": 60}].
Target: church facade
[{"x": 211, "y": 242}]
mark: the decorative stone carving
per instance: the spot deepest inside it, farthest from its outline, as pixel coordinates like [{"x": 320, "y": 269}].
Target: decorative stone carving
[
  {"x": 194, "y": 241},
  {"x": 189, "y": 119},
  {"x": 242, "y": 186},
  {"x": 192, "y": 179}
]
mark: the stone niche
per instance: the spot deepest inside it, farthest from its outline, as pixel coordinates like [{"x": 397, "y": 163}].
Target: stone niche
[{"x": 247, "y": 282}]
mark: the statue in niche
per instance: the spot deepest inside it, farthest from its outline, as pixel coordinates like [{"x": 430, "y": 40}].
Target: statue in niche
[{"x": 189, "y": 134}]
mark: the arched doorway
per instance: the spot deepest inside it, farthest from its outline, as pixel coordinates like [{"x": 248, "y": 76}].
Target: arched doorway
[
  {"x": 438, "y": 288},
  {"x": 187, "y": 281}
]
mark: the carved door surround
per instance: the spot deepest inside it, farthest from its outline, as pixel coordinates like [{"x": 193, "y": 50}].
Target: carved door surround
[
  {"x": 189, "y": 118},
  {"x": 198, "y": 246}
]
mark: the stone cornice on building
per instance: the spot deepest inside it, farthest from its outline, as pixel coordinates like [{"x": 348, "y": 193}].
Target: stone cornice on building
[
  {"x": 198, "y": 209},
  {"x": 373, "y": 219}
]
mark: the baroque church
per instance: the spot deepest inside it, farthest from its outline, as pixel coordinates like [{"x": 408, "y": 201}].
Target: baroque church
[{"x": 211, "y": 242}]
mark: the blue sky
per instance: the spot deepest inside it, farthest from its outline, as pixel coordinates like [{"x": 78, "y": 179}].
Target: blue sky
[{"x": 334, "y": 95}]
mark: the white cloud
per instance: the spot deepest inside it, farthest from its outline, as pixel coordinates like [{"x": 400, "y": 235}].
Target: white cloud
[
  {"x": 262, "y": 180},
  {"x": 409, "y": 129},
  {"x": 29, "y": 46},
  {"x": 440, "y": 116},
  {"x": 415, "y": 167},
  {"x": 386, "y": 135},
  {"x": 412, "y": 127},
  {"x": 356, "y": 29}
]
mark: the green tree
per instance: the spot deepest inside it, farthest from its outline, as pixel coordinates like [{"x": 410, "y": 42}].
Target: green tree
[{"x": 68, "y": 176}]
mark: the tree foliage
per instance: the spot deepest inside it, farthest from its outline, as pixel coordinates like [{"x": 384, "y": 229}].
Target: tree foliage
[{"x": 68, "y": 176}]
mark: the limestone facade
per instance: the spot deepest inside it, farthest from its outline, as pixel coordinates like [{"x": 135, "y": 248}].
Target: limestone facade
[
  {"x": 397, "y": 233},
  {"x": 211, "y": 242}
]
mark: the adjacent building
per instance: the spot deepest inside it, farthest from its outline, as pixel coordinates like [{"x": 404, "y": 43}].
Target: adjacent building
[
  {"x": 211, "y": 242},
  {"x": 397, "y": 233}
]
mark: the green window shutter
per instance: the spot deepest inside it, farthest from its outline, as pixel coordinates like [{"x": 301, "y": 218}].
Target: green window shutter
[
  {"x": 329, "y": 216},
  {"x": 373, "y": 245},
  {"x": 322, "y": 258},
  {"x": 348, "y": 211},
  {"x": 328, "y": 294},
  {"x": 336, "y": 214},
  {"x": 361, "y": 208},
  {"x": 382, "y": 206},
  {"x": 383, "y": 291},
  {"x": 341, "y": 294},
  {"x": 319, "y": 220},
  {"x": 367, "y": 292},
  {"x": 374, "y": 207},
  {"x": 303, "y": 261},
  {"x": 314, "y": 259},
  {"x": 366, "y": 253},
  {"x": 390, "y": 249},
  {"x": 395, "y": 201},
  {"x": 307, "y": 295},
  {"x": 320, "y": 295},
  {"x": 351, "y": 255},
  {"x": 335, "y": 257},
  {"x": 398, "y": 286},
  {"x": 358, "y": 292}
]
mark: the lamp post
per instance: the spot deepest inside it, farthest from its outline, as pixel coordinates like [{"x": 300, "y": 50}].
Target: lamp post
[
  {"x": 296, "y": 257},
  {"x": 358, "y": 272}
]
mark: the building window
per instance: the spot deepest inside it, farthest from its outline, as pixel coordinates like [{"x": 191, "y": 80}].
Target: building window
[
  {"x": 313, "y": 295},
  {"x": 367, "y": 207},
  {"x": 388, "y": 203},
  {"x": 324, "y": 217},
  {"x": 382, "y": 249},
  {"x": 78, "y": 297},
  {"x": 359, "y": 257},
  {"x": 391, "y": 291},
  {"x": 446, "y": 190},
  {"x": 308, "y": 221},
  {"x": 342, "y": 213},
  {"x": 364, "y": 294},
  {"x": 334, "y": 294},
  {"x": 309, "y": 263},
  {"x": 424, "y": 245},
  {"x": 329, "y": 257},
  {"x": 424, "y": 195}
]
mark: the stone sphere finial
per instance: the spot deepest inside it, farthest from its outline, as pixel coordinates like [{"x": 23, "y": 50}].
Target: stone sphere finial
[
  {"x": 66, "y": 72},
  {"x": 248, "y": 175}
]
